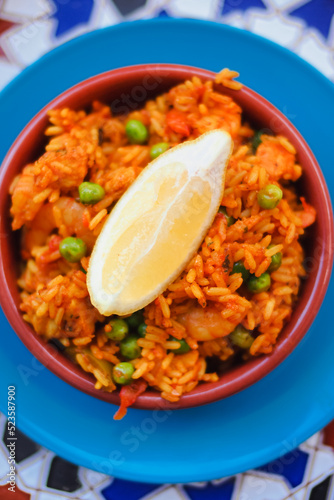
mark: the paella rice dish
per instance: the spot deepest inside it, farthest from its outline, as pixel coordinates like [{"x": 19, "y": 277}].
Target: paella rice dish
[{"x": 231, "y": 301}]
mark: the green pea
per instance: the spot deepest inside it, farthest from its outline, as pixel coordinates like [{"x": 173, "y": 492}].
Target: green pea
[
  {"x": 119, "y": 330},
  {"x": 260, "y": 284},
  {"x": 136, "y": 131},
  {"x": 269, "y": 197},
  {"x": 184, "y": 347},
  {"x": 72, "y": 249},
  {"x": 122, "y": 373},
  {"x": 276, "y": 261},
  {"x": 142, "y": 329},
  {"x": 256, "y": 141},
  {"x": 241, "y": 337},
  {"x": 238, "y": 267},
  {"x": 158, "y": 149},
  {"x": 135, "y": 319},
  {"x": 129, "y": 347},
  {"x": 229, "y": 218},
  {"x": 90, "y": 193}
]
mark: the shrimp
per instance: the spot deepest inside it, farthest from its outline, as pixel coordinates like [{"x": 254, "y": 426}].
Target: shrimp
[
  {"x": 117, "y": 181},
  {"x": 277, "y": 161},
  {"x": 70, "y": 315},
  {"x": 62, "y": 169},
  {"x": 23, "y": 191},
  {"x": 45, "y": 222},
  {"x": 206, "y": 324},
  {"x": 308, "y": 215}
]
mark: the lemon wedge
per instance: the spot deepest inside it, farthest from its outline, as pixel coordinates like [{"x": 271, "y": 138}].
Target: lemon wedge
[{"x": 158, "y": 224}]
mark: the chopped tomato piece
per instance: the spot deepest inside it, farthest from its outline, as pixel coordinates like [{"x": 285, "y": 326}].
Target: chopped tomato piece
[
  {"x": 54, "y": 242},
  {"x": 53, "y": 248},
  {"x": 128, "y": 395},
  {"x": 308, "y": 215},
  {"x": 177, "y": 121}
]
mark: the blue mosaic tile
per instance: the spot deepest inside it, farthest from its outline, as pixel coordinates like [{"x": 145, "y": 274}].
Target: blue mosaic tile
[
  {"x": 24, "y": 448},
  {"x": 291, "y": 466},
  {"x": 130, "y": 491},
  {"x": 128, "y": 6},
  {"x": 70, "y": 14},
  {"x": 162, "y": 13},
  {"x": 317, "y": 14},
  {"x": 232, "y": 5},
  {"x": 322, "y": 490},
  {"x": 63, "y": 475},
  {"x": 223, "y": 491}
]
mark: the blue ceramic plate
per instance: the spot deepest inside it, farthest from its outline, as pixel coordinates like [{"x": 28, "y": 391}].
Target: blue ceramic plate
[{"x": 241, "y": 432}]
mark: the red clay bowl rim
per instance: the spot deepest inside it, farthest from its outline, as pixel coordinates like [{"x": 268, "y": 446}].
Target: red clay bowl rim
[{"x": 246, "y": 374}]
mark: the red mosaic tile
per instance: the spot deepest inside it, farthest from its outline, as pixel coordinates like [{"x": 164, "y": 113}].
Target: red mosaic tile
[
  {"x": 5, "y": 494},
  {"x": 329, "y": 434},
  {"x": 4, "y": 26}
]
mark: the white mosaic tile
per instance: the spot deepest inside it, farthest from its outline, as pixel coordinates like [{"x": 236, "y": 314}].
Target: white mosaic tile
[
  {"x": 31, "y": 475},
  {"x": 27, "y": 43},
  {"x": 106, "y": 15},
  {"x": 299, "y": 495},
  {"x": 221, "y": 480},
  {"x": 193, "y": 8},
  {"x": 92, "y": 478},
  {"x": 91, "y": 495},
  {"x": 49, "y": 496},
  {"x": 103, "y": 11},
  {"x": 255, "y": 487},
  {"x": 235, "y": 19},
  {"x": 20, "y": 483},
  {"x": 323, "y": 461},
  {"x": 276, "y": 28},
  {"x": 45, "y": 467},
  {"x": 170, "y": 493},
  {"x": 17, "y": 10},
  {"x": 314, "y": 440},
  {"x": 314, "y": 51}
]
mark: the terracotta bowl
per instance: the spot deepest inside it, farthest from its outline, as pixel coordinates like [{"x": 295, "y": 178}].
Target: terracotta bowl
[{"x": 127, "y": 89}]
